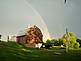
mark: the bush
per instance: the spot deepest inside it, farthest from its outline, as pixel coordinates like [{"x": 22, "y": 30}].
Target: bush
[{"x": 76, "y": 45}]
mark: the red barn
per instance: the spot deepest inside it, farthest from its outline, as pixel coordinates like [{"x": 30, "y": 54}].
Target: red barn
[{"x": 32, "y": 37}]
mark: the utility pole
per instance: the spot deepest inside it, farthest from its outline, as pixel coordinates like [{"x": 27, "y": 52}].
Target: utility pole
[
  {"x": 8, "y": 38},
  {"x": 65, "y": 1},
  {"x": 67, "y": 38},
  {"x": 0, "y": 37}
]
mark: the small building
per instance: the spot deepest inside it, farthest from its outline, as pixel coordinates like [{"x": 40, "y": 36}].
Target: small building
[
  {"x": 21, "y": 39},
  {"x": 11, "y": 38}
]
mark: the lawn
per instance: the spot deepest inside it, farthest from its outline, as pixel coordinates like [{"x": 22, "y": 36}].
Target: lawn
[{"x": 11, "y": 51}]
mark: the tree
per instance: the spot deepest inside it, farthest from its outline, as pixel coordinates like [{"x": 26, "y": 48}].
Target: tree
[
  {"x": 60, "y": 42},
  {"x": 48, "y": 44},
  {"x": 70, "y": 40},
  {"x": 54, "y": 42}
]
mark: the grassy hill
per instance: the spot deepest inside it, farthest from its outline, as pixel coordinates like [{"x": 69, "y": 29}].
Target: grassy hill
[{"x": 11, "y": 51}]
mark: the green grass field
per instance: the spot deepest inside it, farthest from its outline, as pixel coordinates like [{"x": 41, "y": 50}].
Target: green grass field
[{"x": 11, "y": 51}]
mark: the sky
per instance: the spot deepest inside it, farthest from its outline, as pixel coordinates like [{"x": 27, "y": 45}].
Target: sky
[{"x": 16, "y": 15}]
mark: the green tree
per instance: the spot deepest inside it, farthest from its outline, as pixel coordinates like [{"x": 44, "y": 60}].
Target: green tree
[
  {"x": 55, "y": 42},
  {"x": 60, "y": 42},
  {"x": 69, "y": 39}
]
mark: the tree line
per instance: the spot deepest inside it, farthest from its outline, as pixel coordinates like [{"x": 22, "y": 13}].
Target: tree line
[{"x": 71, "y": 39}]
